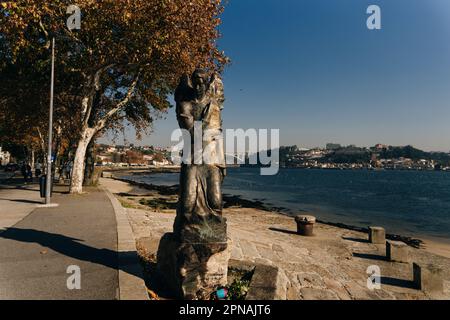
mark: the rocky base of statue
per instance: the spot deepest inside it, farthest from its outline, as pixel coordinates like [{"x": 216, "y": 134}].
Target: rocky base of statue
[
  {"x": 192, "y": 271},
  {"x": 200, "y": 228}
]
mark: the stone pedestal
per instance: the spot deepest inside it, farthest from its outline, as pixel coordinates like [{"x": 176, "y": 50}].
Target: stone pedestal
[
  {"x": 377, "y": 235},
  {"x": 428, "y": 278},
  {"x": 193, "y": 271},
  {"x": 397, "y": 251}
]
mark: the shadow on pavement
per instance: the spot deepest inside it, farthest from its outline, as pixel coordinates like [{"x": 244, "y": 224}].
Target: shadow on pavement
[
  {"x": 24, "y": 201},
  {"x": 355, "y": 239},
  {"x": 283, "y": 231},
  {"x": 369, "y": 256},
  {"x": 29, "y": 187},
  {"x": 398, "y": 282},
  {"x": 71, "y": 247}
]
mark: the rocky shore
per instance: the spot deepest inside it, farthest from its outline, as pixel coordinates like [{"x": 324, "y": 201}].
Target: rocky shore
[
  {"x": 331, "y": 265},
  {"x": 237, "y": 201}
]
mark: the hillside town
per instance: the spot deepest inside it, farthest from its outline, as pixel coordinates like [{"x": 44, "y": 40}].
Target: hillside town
[
  {"x": 378, "y": 157},
  {"x": 132, "y": 156},
  {"x": 333, "y": 156}
]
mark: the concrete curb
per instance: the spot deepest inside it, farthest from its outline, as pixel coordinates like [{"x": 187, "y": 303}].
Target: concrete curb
[{"x": 131, "y": 284}]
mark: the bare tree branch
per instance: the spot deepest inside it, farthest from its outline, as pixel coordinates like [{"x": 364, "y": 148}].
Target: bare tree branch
[{"x": 102, "y": 123}]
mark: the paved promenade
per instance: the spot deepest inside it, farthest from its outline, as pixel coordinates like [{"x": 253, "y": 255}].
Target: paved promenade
[
  {"x": 16, "y": 200},
  {"x": 37, "y": 245}
]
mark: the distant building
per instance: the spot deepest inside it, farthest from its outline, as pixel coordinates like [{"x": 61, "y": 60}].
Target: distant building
[
  {"x": 111, "y": 149},
  {"x": 104, "y": 160},
  {"x": 380, "y": 146},
  {"x": 148, "y": 159},
  {"x": 314, "y": 154},
  {"x": 163, "y": 162}
]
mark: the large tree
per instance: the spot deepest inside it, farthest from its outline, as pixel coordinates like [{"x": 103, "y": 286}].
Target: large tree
[
  {"x": 124, "y": 62},
  {"x": 21, "y": 117},
  {"x": 24, "y": 110}
]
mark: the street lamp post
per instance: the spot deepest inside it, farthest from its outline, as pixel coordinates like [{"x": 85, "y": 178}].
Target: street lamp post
[
  {"x": 50, "y": 131},
  {"x": 73, "y": 22}
]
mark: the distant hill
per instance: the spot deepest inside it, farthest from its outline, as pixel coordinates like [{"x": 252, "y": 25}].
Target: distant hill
[
  {"x": 412, "y": 153},
  {"x": 358, "y": 155},
  {"x": 353, "y": 154},
  {"x": 348, "y": 155}
]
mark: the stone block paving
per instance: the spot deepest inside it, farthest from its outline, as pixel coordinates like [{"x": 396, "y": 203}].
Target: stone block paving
[{"x": 330, "y": 265}]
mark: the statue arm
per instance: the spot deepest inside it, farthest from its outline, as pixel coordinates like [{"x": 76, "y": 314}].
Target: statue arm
[
  {"x": 184, "y": 115},
  {"x": 183, "y": 106}
]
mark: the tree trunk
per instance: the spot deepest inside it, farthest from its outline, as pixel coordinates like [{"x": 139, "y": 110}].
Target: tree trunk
[
  {"x": 89, "y": 179},
  {"x": 76, "y": 182},
  {"x": 32, "y": 159}
]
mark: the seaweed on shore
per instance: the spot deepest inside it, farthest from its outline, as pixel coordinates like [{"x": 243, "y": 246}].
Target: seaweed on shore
[
  {"x": 163, "y": 190},
  {"x": 230, "y": 200},
  {"x": 237, "y": 201},
  {"x": 159, "y": 204}
]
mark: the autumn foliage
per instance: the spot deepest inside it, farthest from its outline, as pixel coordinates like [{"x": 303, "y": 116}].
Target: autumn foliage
[{"x": 121, "y": 67}]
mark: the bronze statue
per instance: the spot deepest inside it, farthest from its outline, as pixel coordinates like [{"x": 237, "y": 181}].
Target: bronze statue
[
  {"x": 199, "y": 215},
  {"x": 193, "y": 260}
]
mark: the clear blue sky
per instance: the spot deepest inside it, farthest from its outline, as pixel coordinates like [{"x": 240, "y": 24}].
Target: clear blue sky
[{"x": 312, "y": 69}]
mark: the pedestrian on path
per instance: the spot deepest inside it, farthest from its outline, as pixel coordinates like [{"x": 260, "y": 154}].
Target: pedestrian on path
[
  {"x": 38, "y": 170},
  {"x": 23, "y": 170},
  {"x": 29, "y": 173}
]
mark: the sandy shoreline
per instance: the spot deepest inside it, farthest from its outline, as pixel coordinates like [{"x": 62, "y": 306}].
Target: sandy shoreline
[{"x": 438, "y": 247}]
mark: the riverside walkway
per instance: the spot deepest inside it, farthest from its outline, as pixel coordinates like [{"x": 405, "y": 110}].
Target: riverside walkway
[{"x": 38, "y": 246}]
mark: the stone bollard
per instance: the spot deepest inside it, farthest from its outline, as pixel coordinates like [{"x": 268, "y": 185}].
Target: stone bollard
[
  {"x": 377, "y": 235},
  {"x": 397, "y": 251},
  {"x": 428, "y": 278},
  {"x": 305, "y": 225}
]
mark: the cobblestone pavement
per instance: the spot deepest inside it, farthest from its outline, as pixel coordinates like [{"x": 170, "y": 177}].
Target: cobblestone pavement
[{"x": 330, "y": 265}]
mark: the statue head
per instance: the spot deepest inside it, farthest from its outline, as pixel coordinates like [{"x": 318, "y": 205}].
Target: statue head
[{"x": 200, "y": 82}]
